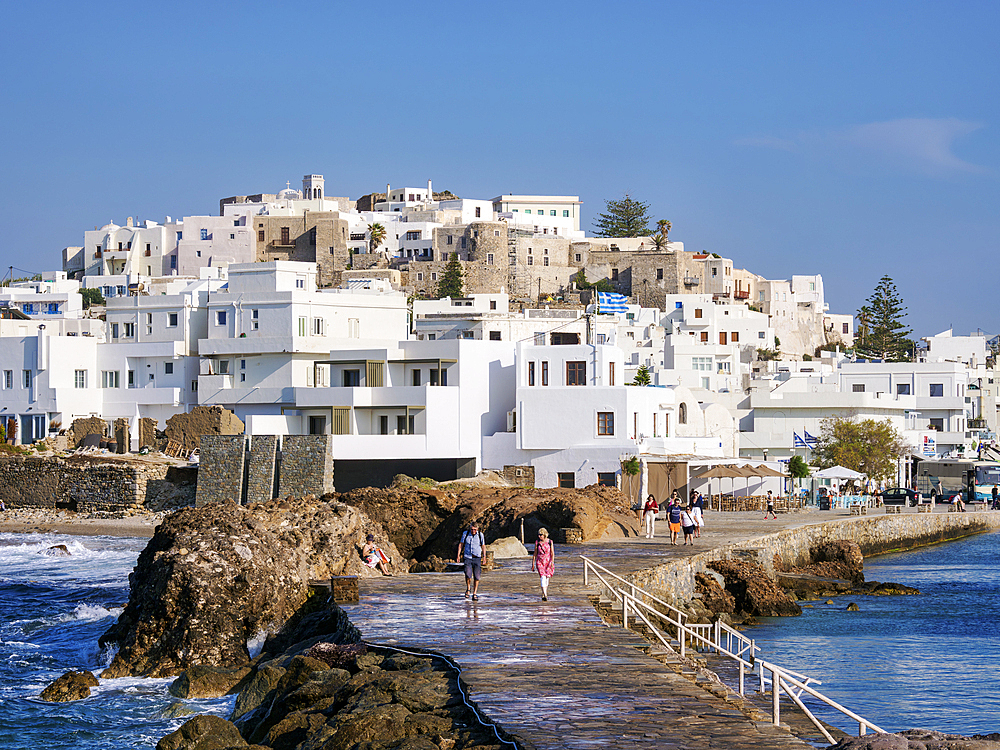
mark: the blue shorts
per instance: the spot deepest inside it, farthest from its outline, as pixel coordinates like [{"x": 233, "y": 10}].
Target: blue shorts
[{"x": 473, "y": 567}]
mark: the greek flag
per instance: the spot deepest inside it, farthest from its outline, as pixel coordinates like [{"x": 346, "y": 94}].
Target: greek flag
[
  {"x": 609, "y": 302},
  {"x": 810, "y": 439},
  {"x": 798, "y": 442}
]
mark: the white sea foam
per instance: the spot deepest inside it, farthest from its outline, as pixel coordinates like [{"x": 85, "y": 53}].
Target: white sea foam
[{"x": 256, "y": 644}]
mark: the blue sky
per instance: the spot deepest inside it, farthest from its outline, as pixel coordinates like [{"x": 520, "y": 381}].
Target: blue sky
[{"x": 841, "y": 138}]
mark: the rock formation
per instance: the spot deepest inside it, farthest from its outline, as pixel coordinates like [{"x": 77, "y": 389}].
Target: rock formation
[
  {"x": 919, "y": 739},
  {"x": 211, "y": 578},
  {"x": 753, "y": 591},
  {"x": 72, "y": 686},
  {"x": 428, "y": 521}
]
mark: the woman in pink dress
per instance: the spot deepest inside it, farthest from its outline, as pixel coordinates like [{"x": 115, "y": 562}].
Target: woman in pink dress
[{"x": 544, "y": 561}]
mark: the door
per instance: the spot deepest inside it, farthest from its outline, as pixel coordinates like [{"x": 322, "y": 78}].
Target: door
[{"x": 317, "y": 425}]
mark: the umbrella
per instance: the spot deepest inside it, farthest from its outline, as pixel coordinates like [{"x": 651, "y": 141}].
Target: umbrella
[
  {"x": 838, "y": 472},
  {"x": 720, "y": 472}
]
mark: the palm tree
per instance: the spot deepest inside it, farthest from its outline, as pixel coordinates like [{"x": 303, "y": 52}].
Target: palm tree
[
  {"x": 661, "y": 239},
  {"x": 376, "y": 236}
]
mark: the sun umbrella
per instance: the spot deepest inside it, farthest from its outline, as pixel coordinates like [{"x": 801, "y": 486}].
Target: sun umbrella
[{"x": 720, "y": 472}]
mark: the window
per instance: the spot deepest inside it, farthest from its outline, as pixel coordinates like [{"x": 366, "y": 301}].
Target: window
[
  {"x": 420, "y": 276},
  {"x": 284, "y": 236},
  {"x": 605, "y": 423},
  {"x": 194, "y": 386},
  {"x": 451, "y": 240},
  {"x": 847, "y": 327},
  {"x": 611, "y": 373},
  {"x": 383, "y": 425},
  {"x": 697, "y": 312},
  {"x": 413, "y": 234},
  {"x": 130, "y": 378},
  {"x": 464, "y": 243},
  {"x": 734, "y": 337},
  {"x": 114, "y": 330},
  {"x": 937, "y": 424},
  {"x": 567, "y": 479},
  {"x": 495, "y": 336},
  {"x": 493, "y": 304},
  {"x": 527, "y": 210},
  {"x": 220, "y": 317},
  {"x": 8, "y": 378},
  {"x": 260, "y": 235},
  {"x": 565, "y": 214},
  {"x": 760, "y": 334},
  {"x": 416, "y": 377},
  {"x": 168, "y": 368},
  {"x": 79, "y": 379},
  {"x": 606, "y": 479},
  {"x": 531, "y": 374},
  {"x": 479, "y": 212},
  {"x": 489, "y": 259},
  {"x": 302, "y": 326},
  {"x": 27, "y": 378},
  {"x": 723, "y": 338},
  {"x": 724, "y": 367},
  {"x": 110, "y": 379},
  {"x": 496, "y": 232},
  {"x": 351, "y": 378},
  {"x": 937, "y": 390},
  {"x": 318, "y": 326},
  {"x": 715, "y": 272},
  {"x": 468, "y": 334},
  {"x": 204, "y": 234},
  {"x": 577, "y": 256},
  {"x": 902, "y": 389},
  {"x": 223, "y": 367},
  {"x": 171, "y": 320},
  {"x": 703, "y": 364},
  {"x": 659, "y": 274},
  {"x": 858, "y": 388},
  {"x": 704, "y": 336},
  {"x": 682, "y": 413},
  {"x": 545, "y": 261},
  {"x": 300, "y": 283},
  {"x": 576, "y": 373},
  {"x": 434, "y": 276},
  {"x": 254, "y": 320},
  {"x": 545, "y": 373},
  {"x": 173, "y": 261},
  {"x": 530, "y": 259},
  {"x": 614, "y": 274}
]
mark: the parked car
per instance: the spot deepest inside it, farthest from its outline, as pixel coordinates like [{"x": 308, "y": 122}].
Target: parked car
[{"x": 899, "y": 496}]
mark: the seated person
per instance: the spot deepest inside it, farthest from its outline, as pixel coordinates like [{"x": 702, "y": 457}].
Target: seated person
[
  {"x": 957, "y": 501},
  {"x": 374, "y": 557}
]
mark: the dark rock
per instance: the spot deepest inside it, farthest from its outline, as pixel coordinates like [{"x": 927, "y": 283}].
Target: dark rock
[
  {"x": 317, "y": 619},
  {"x": 919, "y": 739},
  {"x": 809, "y": 587},
  {"x": 259, "y": 689},
  {"x": 177, "y": 710},
  {"x": 753, "y": 591},
  {"x": 432, "y": 564},
  {"x": 713, "y": 595},
  {"x": 203, "y": 732},
  {"x": 213, "y": 577},
  {"x": 72, "y": 686},
  {"x": 852, "y": 607},
  {"x": 337, "y": 655},
  {"x": 207, "y": 682},
  {"x": 875, "y": 588},
  {"x": 58, "y": 550}
]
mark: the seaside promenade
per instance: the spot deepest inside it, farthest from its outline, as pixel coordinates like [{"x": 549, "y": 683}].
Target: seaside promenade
[{"x": 552, "y": 673}]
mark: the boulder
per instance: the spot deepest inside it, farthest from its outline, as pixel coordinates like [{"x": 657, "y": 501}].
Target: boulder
[
  {"x": 919, "y": 739},
  {"x": 432, "y": 564},
  {"x": 58, "y": 550},
  {"x": 207, "y": 682},
  {"x": 507, "y": 547},
  {"x": 753, "y": 591},
  {"x": 203, "y": 732},
  {"x": 72, "y": 686},
  {"x": 715, "y": 598},
  {"x": 213, "y": 577}
]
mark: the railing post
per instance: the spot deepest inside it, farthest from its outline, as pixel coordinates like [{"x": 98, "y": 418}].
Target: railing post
[
  {"x": 718, "y": 636},
  {"x": 862, "y": 728},
  {"x": 586, "y": 569},
  {"x": 742, "y": 673},
  {"x": 624, "y": 610},
  {"x": 775, "y": 696}
]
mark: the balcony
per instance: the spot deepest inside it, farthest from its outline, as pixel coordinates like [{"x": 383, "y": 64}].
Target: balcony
[
  {"x": 977, "y": 423},
  {"x": 741, "y": 294},
  {"x": 691, "y": 281}
]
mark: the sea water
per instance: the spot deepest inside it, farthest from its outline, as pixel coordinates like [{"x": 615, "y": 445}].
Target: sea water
[
  {"x": 53, "y": 610},
  {"x": 903, "y": 662}
]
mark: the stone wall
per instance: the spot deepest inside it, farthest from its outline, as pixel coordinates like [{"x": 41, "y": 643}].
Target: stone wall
[
  {"x": 306, "y": 465},
  {"x": 86, "y": 426},
  {"x": 261, "y": 468},
  {"x": 147, "y": 432},
  {"x": 519, "y": 476},
  {"x": 189, "y": 429},
  {"x": 220, "y": 469},
  {"x": 90, "y": 486},
  {"x": 875, "y": 535}
]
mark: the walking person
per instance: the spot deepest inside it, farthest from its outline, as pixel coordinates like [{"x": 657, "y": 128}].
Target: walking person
[
  {"x": 699, "y": 518},
  {"x": 544, "y": 561},
  {"x": 688, "y": 524},
  {"x": 649, "y": 511},
  {"x": 470, "y": 552},
  {"x": 674, "y": 520},
  {"x": 770, "y": 507},
  {"x": 996, "y": 499}
]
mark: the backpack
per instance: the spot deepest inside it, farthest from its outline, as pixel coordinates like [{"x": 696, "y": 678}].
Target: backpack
[{"x": 465, "y": 541}]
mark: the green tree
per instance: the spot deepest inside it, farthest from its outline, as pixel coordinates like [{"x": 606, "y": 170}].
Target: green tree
[
  {"x": 870, "y": 446},
  {"x": 376, "y": 236},
  {"x": 91, "y": 297},
  {"x": 451, "y": 283},
  {"x": 798, "y": 468},
  {"x": 624, "y": 218},
  {"x": 641, "y": 376},
  {"x": 661, "y": 238},
  {"x": 881, "y": 332}
]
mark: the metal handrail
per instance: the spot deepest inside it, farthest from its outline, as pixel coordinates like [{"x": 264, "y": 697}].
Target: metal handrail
[{"x": 782, "y": 679}]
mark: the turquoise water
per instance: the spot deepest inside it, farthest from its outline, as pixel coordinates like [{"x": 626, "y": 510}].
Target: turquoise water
[
  {"x": 53, "y": 609},
  {"x": 930, "y": 661}
]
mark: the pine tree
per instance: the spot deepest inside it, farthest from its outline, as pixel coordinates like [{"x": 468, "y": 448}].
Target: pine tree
[
  {"x": 641, "y": 376},
  {"x": 451, "y": 282},
  {"x": 624, "y": 218},
  {"x": 881, "y": 332}
]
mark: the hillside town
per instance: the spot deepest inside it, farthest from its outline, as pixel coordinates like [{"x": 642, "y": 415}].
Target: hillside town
[{"x": 306, "y": 314}]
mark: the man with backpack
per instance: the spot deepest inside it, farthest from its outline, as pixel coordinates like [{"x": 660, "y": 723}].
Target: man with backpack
[{"x": 470, "y": 551}]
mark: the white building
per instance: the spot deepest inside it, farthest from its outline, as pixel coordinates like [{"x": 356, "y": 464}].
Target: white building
[{"x": 53, "y": 296}]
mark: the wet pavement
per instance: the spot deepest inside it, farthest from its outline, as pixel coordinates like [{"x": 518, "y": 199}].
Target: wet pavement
[{"x": 552, "y": 673}]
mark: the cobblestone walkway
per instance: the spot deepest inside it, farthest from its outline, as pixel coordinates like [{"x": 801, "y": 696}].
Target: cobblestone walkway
[{"x": 552, "y": 673}]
